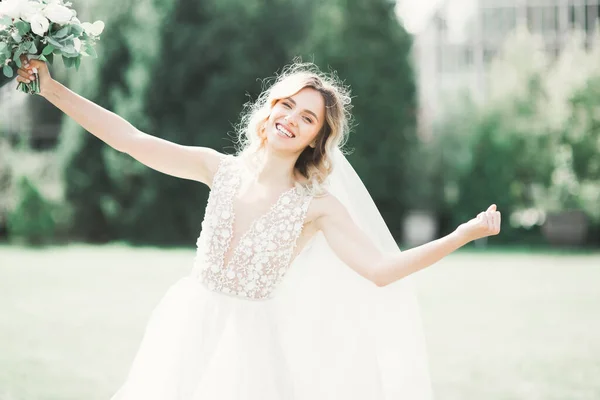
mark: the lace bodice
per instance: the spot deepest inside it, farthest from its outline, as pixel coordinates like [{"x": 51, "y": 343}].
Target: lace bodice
[{"x": 261, "y": 257}]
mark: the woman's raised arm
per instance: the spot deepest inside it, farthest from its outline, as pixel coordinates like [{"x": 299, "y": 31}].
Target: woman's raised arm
[
  {"x": 187, "y": 162},
  {"x": 359, "y": 252}
]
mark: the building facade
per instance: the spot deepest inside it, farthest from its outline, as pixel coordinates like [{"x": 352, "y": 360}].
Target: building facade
[{"x": 454, "y": 51}]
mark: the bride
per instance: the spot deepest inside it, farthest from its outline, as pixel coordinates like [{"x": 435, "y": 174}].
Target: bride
[{"x": 298, "y": 290}]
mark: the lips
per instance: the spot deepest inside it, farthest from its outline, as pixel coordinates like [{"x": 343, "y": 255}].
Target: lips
[{"x": 285, "y": 130}]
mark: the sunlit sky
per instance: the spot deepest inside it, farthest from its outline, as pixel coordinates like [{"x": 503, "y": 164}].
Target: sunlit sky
[{"x": 415, "y": 13}]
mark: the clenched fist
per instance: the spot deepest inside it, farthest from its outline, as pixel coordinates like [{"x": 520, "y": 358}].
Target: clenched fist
[
  {"x": 29, "y": 67},
  {"x": 487, "y": 223}
]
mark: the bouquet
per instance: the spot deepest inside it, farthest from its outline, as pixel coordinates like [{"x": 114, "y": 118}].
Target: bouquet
[{"x": 42, "y": 29}]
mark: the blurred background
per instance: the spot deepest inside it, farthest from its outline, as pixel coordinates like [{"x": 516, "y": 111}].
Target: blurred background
[{"x": 458, "y": 104}]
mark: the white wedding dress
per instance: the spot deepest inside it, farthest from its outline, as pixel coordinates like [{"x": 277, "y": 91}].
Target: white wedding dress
[{"x": 247, "y": 325}]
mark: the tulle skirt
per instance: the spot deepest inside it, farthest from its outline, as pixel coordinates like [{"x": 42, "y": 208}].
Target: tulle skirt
[
  {"x": 200, "y": 344},
  {"x": 307, "y": 342}
]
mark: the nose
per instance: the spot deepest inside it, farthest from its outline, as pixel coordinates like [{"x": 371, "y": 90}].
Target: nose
[{"x": 291, "y": 119}]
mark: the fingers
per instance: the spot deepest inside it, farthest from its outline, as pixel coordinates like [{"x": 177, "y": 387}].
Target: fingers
[
  {"x": 32, "y": 64},
  {"x": 490, "y": 220},
  {"x": 497, "y": 221},
  {"x": 25, "y": 76},
  {"x": 493, "y": 220},
  {"x": 25, "y": 62},
  {"x": 27, "y": 70}
]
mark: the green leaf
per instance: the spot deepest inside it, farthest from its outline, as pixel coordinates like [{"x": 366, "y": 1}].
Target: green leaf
[
  {"x": 62, "y": 33},
  {"x": 32, "y": 48},
  {"x": 68, "y": 62},
  {"x": 23, "y": 47},
  {"x": 50, "y": 58},
  {"x": 23, "y": 27},
  {"x": 7, "y": 70},
  {"x": 17, "y": 38},
  {"x": 77, "y": 30},
  {"x": 54, "y": 43},
  {"x": 6, "y": 52},
  {"x": 3, "y": 46},
  {"x": 5, "y": 20},
  {"x": 47, "y": 50},
  {"x": 77, "y": 62},
  {"x": 89, "y": 50},
  {"x": 17, "y": 59},
  {"x": 70, "y": 51}
]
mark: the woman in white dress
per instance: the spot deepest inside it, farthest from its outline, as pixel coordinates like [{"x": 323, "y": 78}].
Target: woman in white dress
[{"x": 298, "y": 290}]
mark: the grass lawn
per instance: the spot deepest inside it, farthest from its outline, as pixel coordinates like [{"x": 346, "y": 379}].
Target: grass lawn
[{"x": 499, "y": 325}]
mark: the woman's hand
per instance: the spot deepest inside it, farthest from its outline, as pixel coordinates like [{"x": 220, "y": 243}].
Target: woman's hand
[
  {"x": 487, "y": 223},
  {"x": 29, "y": 67}
]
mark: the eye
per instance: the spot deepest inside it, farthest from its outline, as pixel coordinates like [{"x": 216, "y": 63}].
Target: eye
[
  {"x": 287, "y": 105},
  {"x": 308, "y": 120}
]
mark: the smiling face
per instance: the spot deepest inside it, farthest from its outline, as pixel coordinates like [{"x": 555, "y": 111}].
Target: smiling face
[
  {"x": 295, "y": 122},
  {"x": 305, "y": 114}
]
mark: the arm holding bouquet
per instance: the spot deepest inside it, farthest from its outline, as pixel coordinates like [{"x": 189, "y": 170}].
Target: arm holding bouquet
[
  {"x": 32, "y": 33},
  {"x": 43, "y": 29},
  {"x": 188, "y": 162}
]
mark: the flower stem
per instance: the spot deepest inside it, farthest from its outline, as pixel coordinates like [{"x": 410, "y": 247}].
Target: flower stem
[{"x": 31, "y": 87}]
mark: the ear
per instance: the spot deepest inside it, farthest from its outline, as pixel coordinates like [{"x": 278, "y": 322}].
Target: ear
[
  {"x": 261, "y": 131},
  {"x": 313, "y": 144}
]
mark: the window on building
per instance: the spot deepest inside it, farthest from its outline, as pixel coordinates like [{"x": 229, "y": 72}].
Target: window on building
[
  {"x": 550, "y": 20},
  {"x": 534, "y": 19},
  {"x": 489, "y": 54},
  {"x": 468, "y": 58},
  {"x": 576, "y": 16},
  {"x": 592, "y": 17}
]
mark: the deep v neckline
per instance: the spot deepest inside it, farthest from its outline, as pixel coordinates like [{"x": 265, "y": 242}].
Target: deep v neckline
[{"x": 232, "y": 248}]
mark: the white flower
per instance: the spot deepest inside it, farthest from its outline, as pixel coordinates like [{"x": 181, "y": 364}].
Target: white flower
[
  {"x": 29, "y": 9},
  {"x": 94, "y": 29},
  {"x": 11, "y": 8},
  {"x": 77, "y": 44},
  {"x": 58, "y": 14},
  {"x": 39, "y": 24}
]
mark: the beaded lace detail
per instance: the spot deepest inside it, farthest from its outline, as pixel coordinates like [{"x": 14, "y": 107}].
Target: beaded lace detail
[{"x": 262, "y": 256}]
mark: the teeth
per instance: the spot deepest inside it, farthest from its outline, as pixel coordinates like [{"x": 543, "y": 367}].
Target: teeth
[{"x": 284, "y": 131}]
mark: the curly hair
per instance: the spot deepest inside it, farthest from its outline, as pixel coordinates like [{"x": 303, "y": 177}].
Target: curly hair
[{"x": 315, "y": 164}]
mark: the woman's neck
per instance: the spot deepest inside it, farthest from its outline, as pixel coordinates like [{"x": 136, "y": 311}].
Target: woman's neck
[{"x": 274, "y": 170}]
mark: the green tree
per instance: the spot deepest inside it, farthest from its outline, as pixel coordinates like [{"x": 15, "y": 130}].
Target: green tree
[
  {"x": 180, "y": 70},
  {"x": 32, "y": 220},
  {"x": 90, "y": 188},
  {"x": 366, "y": 44}
]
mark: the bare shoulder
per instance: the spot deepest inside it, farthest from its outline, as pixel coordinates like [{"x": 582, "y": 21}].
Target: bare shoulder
[
  {"x": 211, "y": 159},
  {"x": 323, "y": 206}
]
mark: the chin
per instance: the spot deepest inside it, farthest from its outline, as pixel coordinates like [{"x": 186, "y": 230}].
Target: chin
[{"x": 292, "y": 146}]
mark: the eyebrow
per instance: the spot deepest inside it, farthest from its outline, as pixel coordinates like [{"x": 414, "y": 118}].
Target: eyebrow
[{"x": 308, "y": 111}]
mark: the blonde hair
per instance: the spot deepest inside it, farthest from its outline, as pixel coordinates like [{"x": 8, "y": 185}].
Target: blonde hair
[{"x": 315, "y": 164}]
